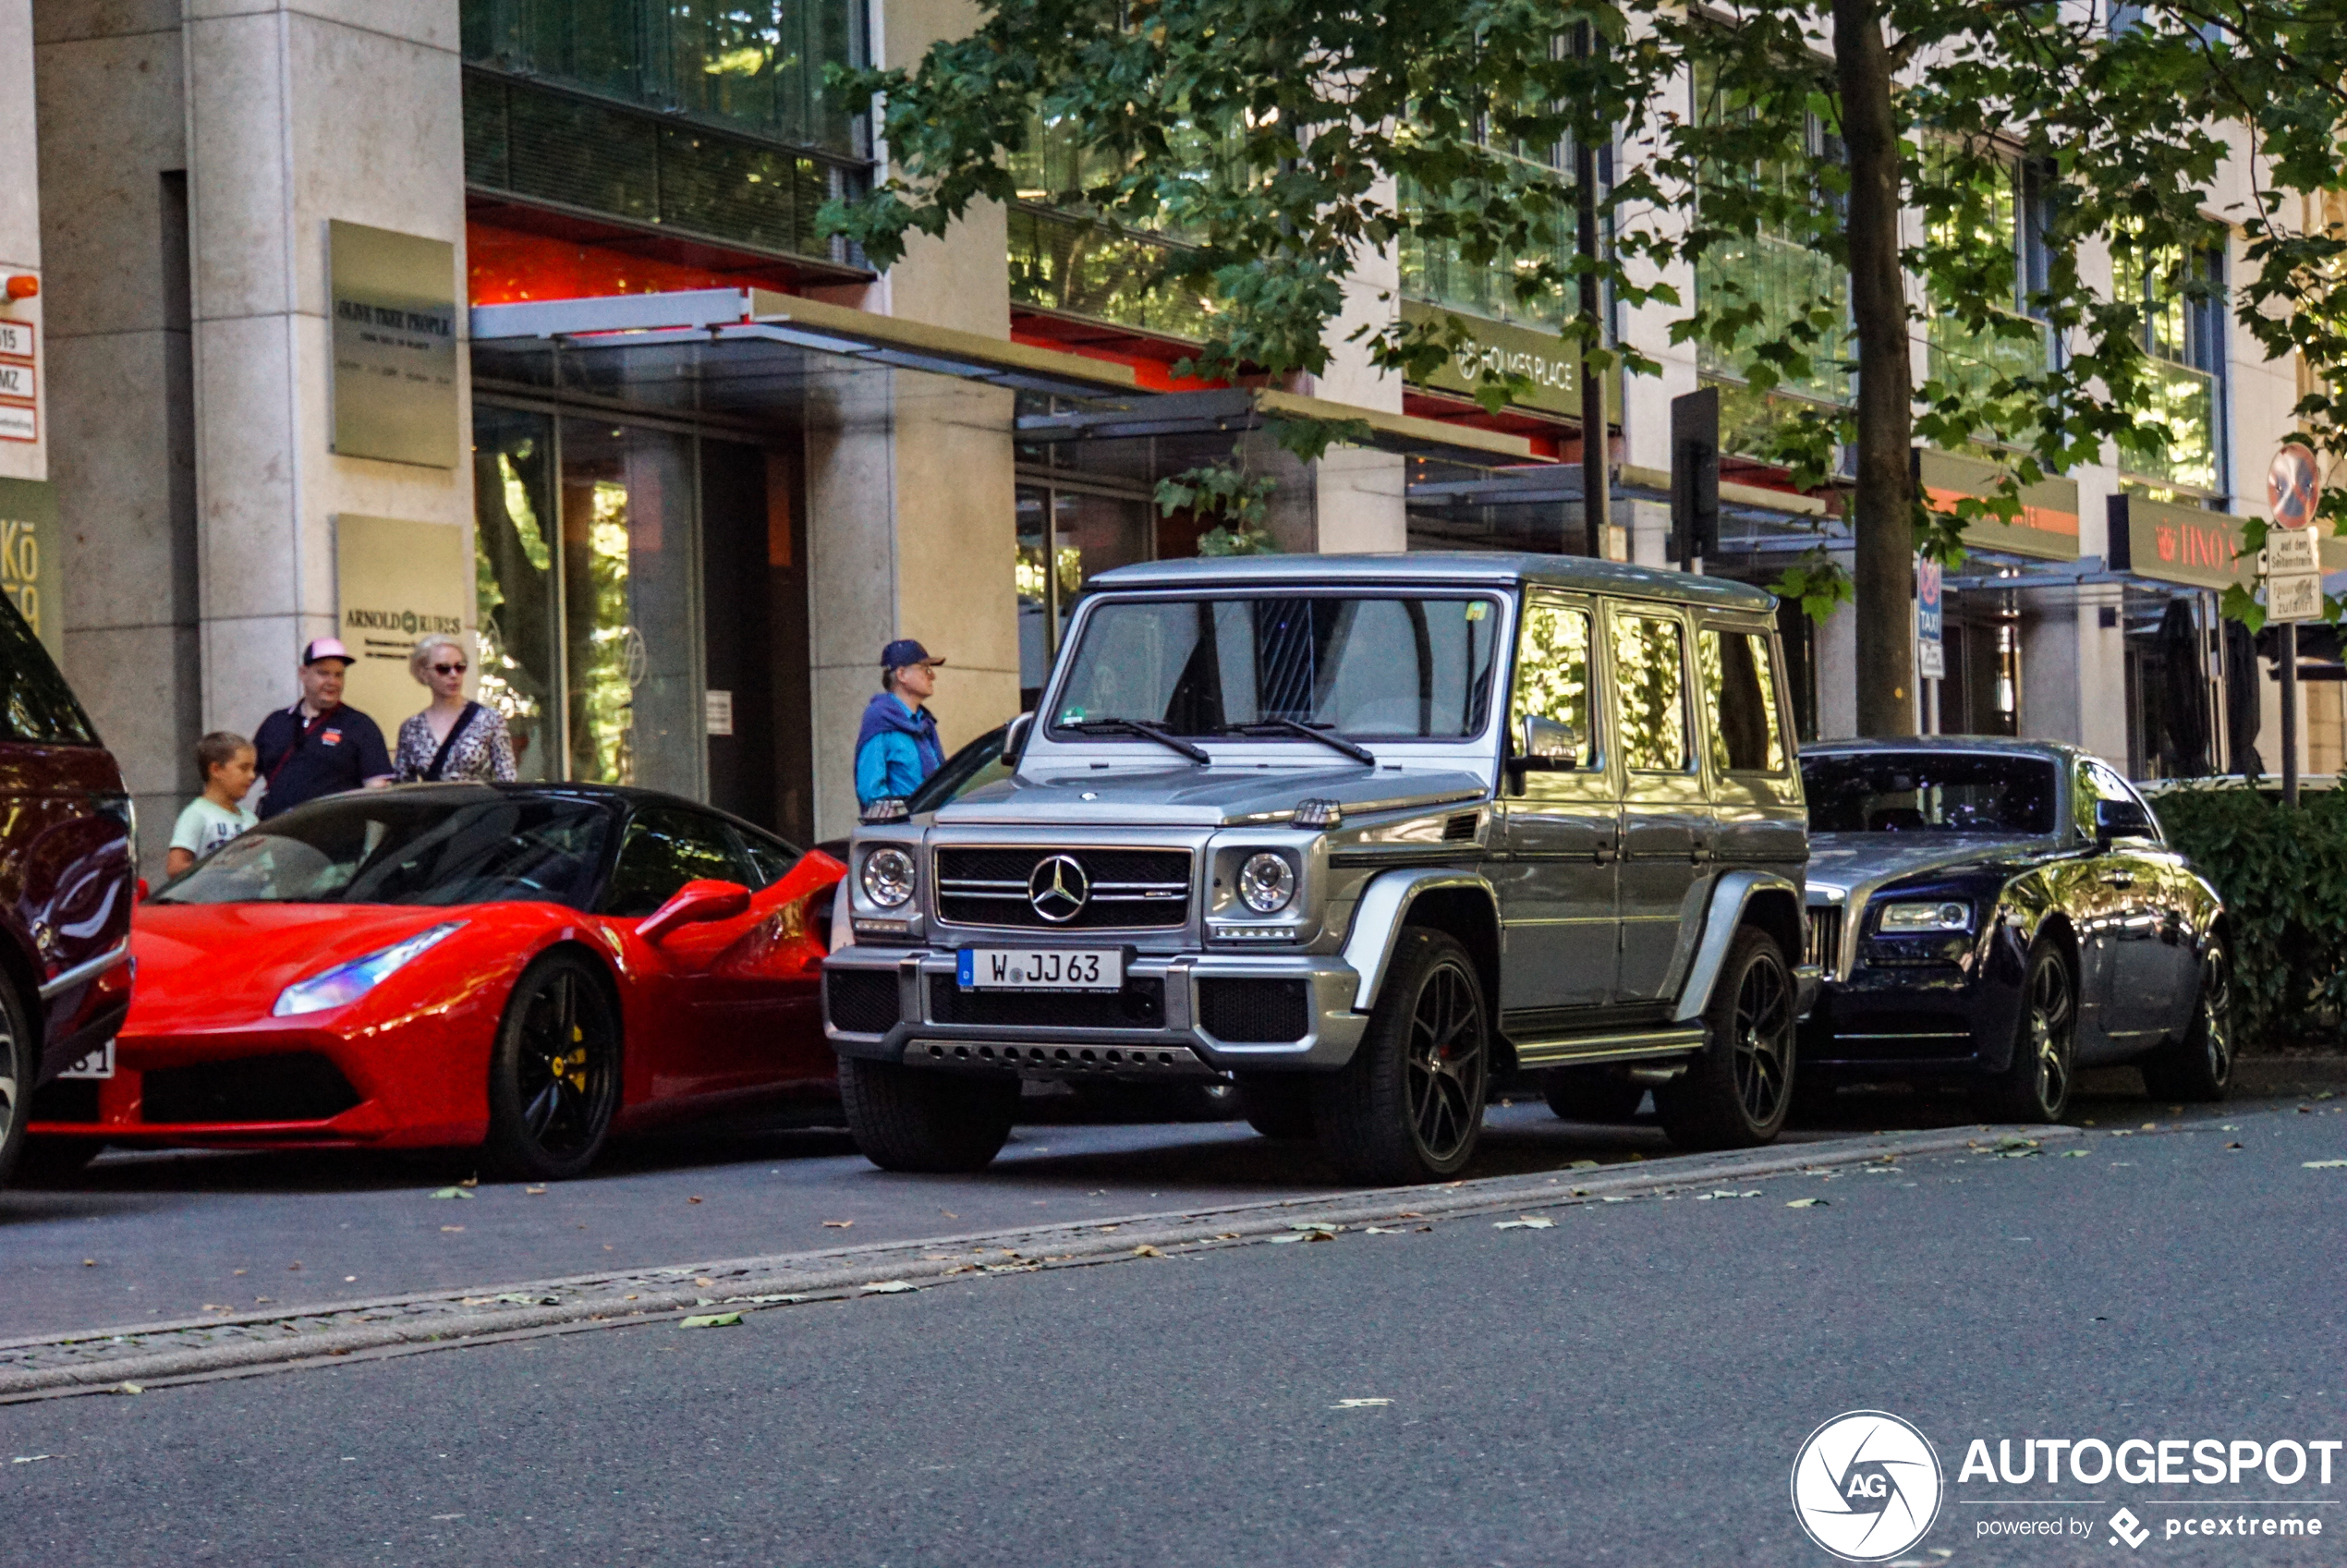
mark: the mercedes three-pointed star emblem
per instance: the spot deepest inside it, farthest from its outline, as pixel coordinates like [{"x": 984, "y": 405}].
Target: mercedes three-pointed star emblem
[{"x": 1058, "y": 889}]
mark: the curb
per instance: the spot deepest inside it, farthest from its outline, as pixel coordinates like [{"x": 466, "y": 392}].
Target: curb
[{"x": 125, "y": 1359}]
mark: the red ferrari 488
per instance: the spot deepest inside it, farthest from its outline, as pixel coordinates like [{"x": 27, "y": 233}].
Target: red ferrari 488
[{"x": 527, "y": 968}]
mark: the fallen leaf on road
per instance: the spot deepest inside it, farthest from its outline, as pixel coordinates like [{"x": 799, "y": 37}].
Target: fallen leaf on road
[
  {"x": 1613, "y": 1200},
  {"x": 2073, "y": 1154},
  {"x": 469, "y": 1182},
  {"x": 450, "y": 1192},
  {"x": 30, "y": 1458},
  {"x": 1380, "y": 1231},
  {"x": 1145, "y": 1250},
  {"x": 888, "y": 1287},
  {"x": 1525, "y": 1223},
  {"x": 2150, "y": 1126},
  {"x": 712, "y": 1321},
  {"x": 451, "y": 1228},
  {"x": 949, "y": 1213},
  {"x": 692, "y": 1200},
  {"x": 837, "y": 1224},
  {"x": 1806, "y": 1203},
  {"x": 1227, "y": 1236},
  {"x": 699, "y": 1281},
  {"x": 93, "y": 1263},
  {"x": 2325, "y": 1165},
  {"x": 350, "y": 1278},
  {"x": 1320, "y": 1225},
  {"x": 535, "y": 1192},
  {"x": 1582, "y": 1165},
  {"x": 1358, "y": 1404},
  {"x": 1409, "y": 1214},
  {"x": 1278, "y": 1240},
  {"x": 129, "y": 1388},
  {"x": 2232, "y": 1145}
]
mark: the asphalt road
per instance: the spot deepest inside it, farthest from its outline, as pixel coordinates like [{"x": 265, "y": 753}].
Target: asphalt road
[
  {"x": 1628, "y": 1386},
  {"x": 149, "y": 1237}
]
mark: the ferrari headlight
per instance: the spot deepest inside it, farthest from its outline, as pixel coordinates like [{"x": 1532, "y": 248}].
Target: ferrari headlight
[
  {"x": 347, "y": 983},
  {"x": 888, "y": 878},
  {"x": 1266, "y": 882},
  {"x": 1924, "y": 920}
]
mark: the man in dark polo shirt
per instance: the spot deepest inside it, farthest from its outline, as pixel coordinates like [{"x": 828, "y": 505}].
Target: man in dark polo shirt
[{"x": 318, "y": 747}]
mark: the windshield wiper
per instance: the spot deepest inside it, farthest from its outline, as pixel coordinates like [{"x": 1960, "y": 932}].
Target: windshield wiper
[
  {"x": 1290, "y": 726},
  {"x": 1146, "y": 730}
]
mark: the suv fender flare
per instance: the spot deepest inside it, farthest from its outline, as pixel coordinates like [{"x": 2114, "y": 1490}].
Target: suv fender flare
[
  {"x": 1383, "y": 910},
  {"x": 1731, "y": 896}
]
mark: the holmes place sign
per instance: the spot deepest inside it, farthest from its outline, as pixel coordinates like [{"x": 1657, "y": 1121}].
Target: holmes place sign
[
  {"x": 394, "y": 339},
  {"x": 1550, "y": 362},
  {"x": 28, "y": 559}
]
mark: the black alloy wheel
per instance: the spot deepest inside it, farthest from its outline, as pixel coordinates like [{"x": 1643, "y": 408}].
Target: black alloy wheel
[
  {"x": 1409, "y": 1106},
  {"x": 1736, "y": 1092},
  {"x": 553, "y": 1081},
  {"x": 2200, "y": 1065},
  {"x": 2034, "y": 1088}
]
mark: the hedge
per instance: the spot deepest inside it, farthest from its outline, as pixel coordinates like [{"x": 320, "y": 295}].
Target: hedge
[{"x": 2282, "y": 871}]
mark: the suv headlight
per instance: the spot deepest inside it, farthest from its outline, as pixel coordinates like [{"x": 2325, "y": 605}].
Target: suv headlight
[
  {"x": 1266, "y": 882},
  {"x": 346, "y": 983},
  {"x": 1921, "y": 918},
  {"x": 888, "y": 878}
]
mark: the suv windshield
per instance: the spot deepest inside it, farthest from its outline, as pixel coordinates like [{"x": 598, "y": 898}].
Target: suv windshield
[
  {"x": 1390, "y": 667},
  {"x": 1929, "y": 791},
  {"x": 373, "y": 848}
]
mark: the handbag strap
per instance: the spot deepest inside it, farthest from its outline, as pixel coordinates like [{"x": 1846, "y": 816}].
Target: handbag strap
[
  {"x": 439, "y": 758},
  {"x": 301, "y": 739}
]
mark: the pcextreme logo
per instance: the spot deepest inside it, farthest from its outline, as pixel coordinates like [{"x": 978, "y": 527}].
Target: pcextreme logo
[{"x": 1867, "y": 1486}]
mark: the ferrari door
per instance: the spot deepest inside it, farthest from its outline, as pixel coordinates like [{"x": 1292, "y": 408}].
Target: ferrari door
[{"x": 735, "y": 1006}]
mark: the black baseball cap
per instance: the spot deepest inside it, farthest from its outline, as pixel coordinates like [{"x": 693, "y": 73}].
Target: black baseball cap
[{"x": 904, "y": 652}]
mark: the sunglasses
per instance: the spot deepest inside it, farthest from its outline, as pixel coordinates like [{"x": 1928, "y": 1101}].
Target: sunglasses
[{"x": 449, "y": 669}]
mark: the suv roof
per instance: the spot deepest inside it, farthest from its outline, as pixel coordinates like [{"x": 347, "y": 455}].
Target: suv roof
[
  {"x": 2054, "y": 750},
  {"x": 1429, "y": 568}
]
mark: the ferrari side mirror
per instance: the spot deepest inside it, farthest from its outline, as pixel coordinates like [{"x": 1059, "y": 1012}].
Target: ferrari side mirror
[{"x": 693, "y": 904}]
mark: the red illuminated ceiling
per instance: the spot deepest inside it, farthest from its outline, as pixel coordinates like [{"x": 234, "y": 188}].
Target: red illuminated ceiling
[{"x": 516, "y": 252}]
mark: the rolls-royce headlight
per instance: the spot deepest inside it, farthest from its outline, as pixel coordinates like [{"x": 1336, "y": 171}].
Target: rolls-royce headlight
[
  {"x": 1266, "y": 882},
  {"x": 1924, "y": 920},
  {"x": 888, "y": 878}
]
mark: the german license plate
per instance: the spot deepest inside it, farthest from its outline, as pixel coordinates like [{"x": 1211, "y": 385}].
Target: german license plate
[{"x": 1023, "y": 968}]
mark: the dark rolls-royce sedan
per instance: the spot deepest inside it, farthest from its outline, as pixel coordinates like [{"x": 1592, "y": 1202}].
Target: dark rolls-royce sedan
[{"x": 2003, "y": 913}]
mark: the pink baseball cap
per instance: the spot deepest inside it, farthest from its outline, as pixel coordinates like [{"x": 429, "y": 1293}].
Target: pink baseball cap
[{"x": 325, "y": 648}]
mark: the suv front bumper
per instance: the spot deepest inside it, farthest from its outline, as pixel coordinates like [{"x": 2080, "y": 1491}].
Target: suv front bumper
[{"x": 1161, "y": 1037}]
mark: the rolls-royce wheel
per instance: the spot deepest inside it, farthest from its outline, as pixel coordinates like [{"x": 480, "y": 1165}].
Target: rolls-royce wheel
[
  {"x": 1735, "y": 1094},
  {"x": 1278, "y": 1105},
  {"x": 2036, "y": 1086},
  {"x": 1591, "y": 1094},
  {"x": 1409, "y": 1106},
  {"x": 929, "y": 1122},
  {"x": 19, "y": 1066},
  {"x": 2200, "y": 1065},
  {"x": 554, "y": 1077}
]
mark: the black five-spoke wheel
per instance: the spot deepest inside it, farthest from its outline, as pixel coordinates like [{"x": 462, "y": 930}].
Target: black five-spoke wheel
[
  {"x": 2199, "y": 1066},
  {"x": 2036, "y": 1086},
  {"x": 1734, "y": 1093},
  {"x": 1409, "y": 1105},
  {"x": 554, "y": 1080}
]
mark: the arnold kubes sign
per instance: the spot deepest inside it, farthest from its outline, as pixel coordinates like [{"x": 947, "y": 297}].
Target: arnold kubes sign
[
  {"x": 396, "y": 580},
  {"x": 394, "y": 346}
]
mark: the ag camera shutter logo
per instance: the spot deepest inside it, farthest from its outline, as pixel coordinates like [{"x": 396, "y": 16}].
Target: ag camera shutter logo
[{"x": 1867, "y": 1486}]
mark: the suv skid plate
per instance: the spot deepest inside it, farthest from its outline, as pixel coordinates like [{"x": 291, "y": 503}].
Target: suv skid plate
[{"x": 1154, "y": 1060}]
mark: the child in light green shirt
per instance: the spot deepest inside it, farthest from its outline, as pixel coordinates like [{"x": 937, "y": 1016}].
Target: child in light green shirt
[{"x": 218, "y": 814}]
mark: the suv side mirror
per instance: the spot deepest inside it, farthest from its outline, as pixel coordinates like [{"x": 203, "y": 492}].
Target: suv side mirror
[
  {"x": 2120, "y": 818},
  {"x": 1547, "y": 744},
  {"x": 1015, "y": 738},
  {"x": 703, "y": 899}
]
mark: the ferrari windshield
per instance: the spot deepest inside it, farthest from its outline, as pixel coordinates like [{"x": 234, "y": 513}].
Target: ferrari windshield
[
  {"x": 1371, "y": 667},
  {"x": 383, "y": 847},
  {"x": 1905, "y": 792}
]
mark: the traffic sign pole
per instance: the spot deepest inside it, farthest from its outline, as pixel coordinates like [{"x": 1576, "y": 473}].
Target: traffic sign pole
[{"x": 2293, "y": 583}]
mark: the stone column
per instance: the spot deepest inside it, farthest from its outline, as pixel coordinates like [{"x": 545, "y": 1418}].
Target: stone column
[
  {"x": 114, "y": 159},
  {"x": 302, "y": 112}
]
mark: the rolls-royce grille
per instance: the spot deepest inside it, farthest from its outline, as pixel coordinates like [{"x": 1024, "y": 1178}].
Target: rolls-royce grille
[
  {"x": 1122, "y": 888},
  {"x": 1140, "y": 1005},
  {"x": 1825, "y": 936}
]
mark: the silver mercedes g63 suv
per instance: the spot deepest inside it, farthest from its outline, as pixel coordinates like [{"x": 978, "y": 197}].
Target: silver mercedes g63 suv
[{"x": 1359, "y": 832}]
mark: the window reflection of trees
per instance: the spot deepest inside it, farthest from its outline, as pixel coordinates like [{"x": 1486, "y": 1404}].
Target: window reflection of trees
[
  {"x": 1552, "y": 672},
  {"x": 1740, "y": 693},
  {"x": 1650, "y": 686}
]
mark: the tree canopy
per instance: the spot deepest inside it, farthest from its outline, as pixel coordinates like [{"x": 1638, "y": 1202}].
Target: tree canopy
[{"x": 2033, "y": 192}]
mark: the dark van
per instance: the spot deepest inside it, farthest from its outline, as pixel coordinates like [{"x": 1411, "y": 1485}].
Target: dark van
[{"x": 68, "y": 879}]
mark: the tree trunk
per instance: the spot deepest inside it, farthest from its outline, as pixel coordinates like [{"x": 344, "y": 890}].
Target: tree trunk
[{"x": 1880, "y": 521}]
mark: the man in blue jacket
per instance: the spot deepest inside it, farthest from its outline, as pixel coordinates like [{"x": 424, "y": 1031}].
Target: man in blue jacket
[{"x": 896, "y": 747}]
